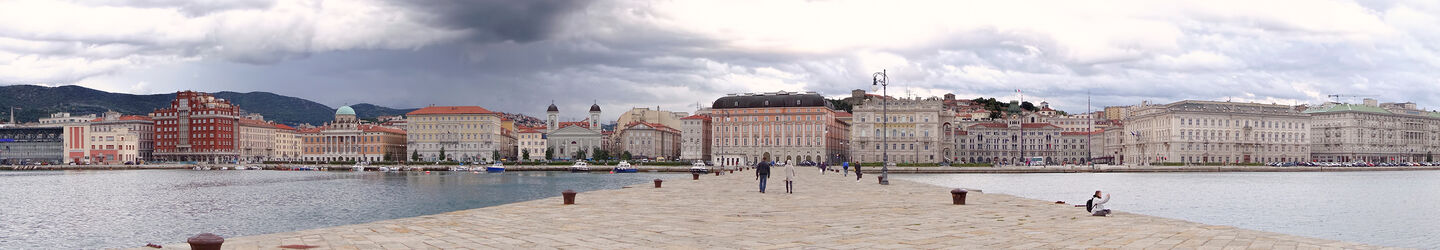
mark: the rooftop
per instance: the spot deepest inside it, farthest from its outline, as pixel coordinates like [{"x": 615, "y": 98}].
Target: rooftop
[{"x": 450, "y": 110}]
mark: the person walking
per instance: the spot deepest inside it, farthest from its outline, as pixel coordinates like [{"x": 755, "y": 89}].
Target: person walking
[
  {"x": 846, "y": 168},
  {"x": 857, "y": 172},
  {"x": 1096, "y": 204},
  {"x": 762, "y": 173},
  {"x": 789, "y": 179}
]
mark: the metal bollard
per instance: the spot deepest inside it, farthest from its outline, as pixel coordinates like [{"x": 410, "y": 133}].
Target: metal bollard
[
  {"x": 569, "y": 196},
  {"x": 657, "y": 183},
  {"x": 717, "y": 173},
  {"x": 958, "y": 196},
  {"x": 881, "y": 179},
  {"x": 205, "y": 241},
  {"x": 695, "y": 176}
]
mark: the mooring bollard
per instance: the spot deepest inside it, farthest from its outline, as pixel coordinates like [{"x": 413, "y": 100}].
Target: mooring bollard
[
  {"x": 717, "y": 173},
  {"x": 695, "y": 176},
  {"x": 881, "y": 179},
  {"x": 958, "y": 196},
  {"x": 569, "y": 196},
  {"x": 657, "y": 183},
  {"x": 205, "y": 241}
]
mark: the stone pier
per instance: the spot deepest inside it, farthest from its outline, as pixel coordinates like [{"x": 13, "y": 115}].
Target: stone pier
[{"x": 826, "y": 211}]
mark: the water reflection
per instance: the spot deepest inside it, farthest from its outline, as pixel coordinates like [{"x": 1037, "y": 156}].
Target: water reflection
[{"x": 96, "y": 209}]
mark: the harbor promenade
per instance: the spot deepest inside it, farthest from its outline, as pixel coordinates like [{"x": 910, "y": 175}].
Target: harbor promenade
[{"x": 826, "y": 211}]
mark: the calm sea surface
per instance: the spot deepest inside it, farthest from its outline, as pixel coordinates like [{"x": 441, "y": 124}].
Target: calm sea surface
[
  {"x": 1400, "y": 208},
  {"x": 99, "y": 209}
]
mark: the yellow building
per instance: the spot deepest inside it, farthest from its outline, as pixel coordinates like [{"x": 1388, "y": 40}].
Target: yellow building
[{"x": 464, "y": 133}]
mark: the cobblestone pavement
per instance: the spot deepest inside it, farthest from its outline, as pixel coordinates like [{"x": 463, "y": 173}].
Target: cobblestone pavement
[{"x": 826, "y": 211}]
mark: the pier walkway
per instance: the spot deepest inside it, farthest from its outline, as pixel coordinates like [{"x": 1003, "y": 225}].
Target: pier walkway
[{"x": 826, "y": 211}]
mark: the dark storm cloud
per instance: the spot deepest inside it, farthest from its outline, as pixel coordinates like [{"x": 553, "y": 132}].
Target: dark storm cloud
[{"x": 498, "y": 20}]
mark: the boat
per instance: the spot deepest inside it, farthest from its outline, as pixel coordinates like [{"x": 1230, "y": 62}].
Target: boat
[
  {"x": 624, "y": 167},
  {"x": 459, "y": 168},
  {"x": 201, "y": 168},
  {"x": 495, "y": 168},
  {"x": 358, "y": 168},
  {"x": 385, "y": 169},
  {"x": 699, "y": 167},
  {"x": 580, "y": 166}
]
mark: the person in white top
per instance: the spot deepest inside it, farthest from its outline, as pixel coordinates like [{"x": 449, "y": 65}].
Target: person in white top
[
  {"x": 1096, "y": 204},
  {"x": 789, "y": 178}
]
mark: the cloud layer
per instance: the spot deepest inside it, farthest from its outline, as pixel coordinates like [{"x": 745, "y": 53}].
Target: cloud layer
[{"x": 519, "y": 55}]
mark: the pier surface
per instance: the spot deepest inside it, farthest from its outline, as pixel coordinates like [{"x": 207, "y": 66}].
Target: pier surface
[{"x": 826, "y": 211}]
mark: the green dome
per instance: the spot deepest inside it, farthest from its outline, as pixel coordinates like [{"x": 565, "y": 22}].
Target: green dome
[{"x": 345, "y": 110}]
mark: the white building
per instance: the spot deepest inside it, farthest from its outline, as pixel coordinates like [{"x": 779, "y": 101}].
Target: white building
[
  {"x": 1207, "y": 132},
  {"x": 916, "y": 131}
]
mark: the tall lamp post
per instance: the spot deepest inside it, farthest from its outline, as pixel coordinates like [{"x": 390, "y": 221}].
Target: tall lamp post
[{"x": 880, "y": 78}]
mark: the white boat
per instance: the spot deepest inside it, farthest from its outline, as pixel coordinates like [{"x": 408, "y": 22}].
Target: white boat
[
  {"x": 386, "y": 169},
  {"x": 699, "y": 167},
  {"x": 624, "y": 167},
  {"x": 201, "y": 168},
  {"x": 358, "y": 168},
  {"x": 580, "y": 166},
  {"x": 460, "y": 168}
]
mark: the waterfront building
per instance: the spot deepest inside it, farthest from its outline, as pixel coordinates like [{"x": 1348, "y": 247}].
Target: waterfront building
[
  {"x": 31, "y": 145},
  {"x": 464, "y": 133},
  {"x": 196, "y": 127},
  {"x": 646, "y": 140},
  {"x": 347, "y": 139},
  {"x": 287, "y": 143},
  {"x": 785, "y": 126},
  {"x": 257, "y": 139},
  {"x": 394, "y": 122},
  {"x": 61, "y": 119},
  {"x": 1197, "y": 132},
  {"x": 657, "y": 116},
  {"x": 143, "y": 126},
  {"x": 115, "y": 146},
  {"x": 695, "y": 137},
  {"x": 1013, "y": 142},
  {"x": 532, "y": 143},
  {"x": 914, "y": 133},
  {"x": 1373, "y": 132},
  {"x": 567, "y": 139}
]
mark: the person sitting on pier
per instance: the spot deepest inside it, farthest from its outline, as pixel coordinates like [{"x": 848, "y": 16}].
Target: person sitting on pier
[{"x": 1096, "y": 204}]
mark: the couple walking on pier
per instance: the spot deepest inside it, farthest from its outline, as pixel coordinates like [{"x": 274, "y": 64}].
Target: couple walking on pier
[{"x": 762, "y": 173}]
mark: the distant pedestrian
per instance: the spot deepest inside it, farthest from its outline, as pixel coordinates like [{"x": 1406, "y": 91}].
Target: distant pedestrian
[
  {"x": 762, "y": 172},
  {"x": 789, "y": 179},
  {"x": 857, "y": 171},
  {"x": 846, "y": 166},
  {"x": 1096, "y": 204},
  {"x": 822, "y": 167}
]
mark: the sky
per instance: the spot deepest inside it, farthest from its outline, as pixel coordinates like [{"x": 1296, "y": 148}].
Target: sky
[{"x": 519, "y": 56}]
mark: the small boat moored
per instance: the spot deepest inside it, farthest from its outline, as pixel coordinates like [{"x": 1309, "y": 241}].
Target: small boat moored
[
  {"x": 699, "y": 167},
  {"x": 580, "y": 166},
  {"x": 496, "y": 168},
  {"x": 624, "y": 167}
]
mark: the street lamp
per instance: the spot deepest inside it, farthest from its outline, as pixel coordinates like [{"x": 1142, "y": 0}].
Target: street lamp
[{"x": 880, "y": 78}]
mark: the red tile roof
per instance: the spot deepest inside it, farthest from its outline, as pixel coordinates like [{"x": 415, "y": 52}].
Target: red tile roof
[
  {"x": 843, "y": 114},
  {"x": 449, "y": 110},
  {"x": 567, "y": 124},
  {"x": 283, "y": 126},
  {"x": 989, "y": 125},
  {"x": 1039, "y": 125},
  {"x": 697, "y": 117}
]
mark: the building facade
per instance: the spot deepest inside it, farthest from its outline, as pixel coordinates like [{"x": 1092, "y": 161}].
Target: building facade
[
  {"x": 257, "y": 139},
  {"x": 1207, "y": 132},
  {"x": 781, "y": 126},
  {"x": 143, "y": 126},
  {"x": 571, "y": 139},
  {"x": 646, "y": 140},
  {"x": 1010, "y": 142},
  {"x": 197, "y": 127},
  {"x": 695, "y": 138},
  {"x": 914, "y": 132},
  {"x": 532, "y": 143},
  {"x": 287, "y": 143},
  {"x": 29, "y": 146},
  {"x": 346, "y": 139},
  {"x": 657, "y": 116},
  {"x": 464, "y": 133},
  {"x": 64, "y": 118},
  {"x": 1372, "y": 132}
]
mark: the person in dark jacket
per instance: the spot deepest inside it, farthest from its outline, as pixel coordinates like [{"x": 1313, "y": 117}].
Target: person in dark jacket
[
  {"x": 857, "y": 172},
  {"x": 762, "y": 172}
]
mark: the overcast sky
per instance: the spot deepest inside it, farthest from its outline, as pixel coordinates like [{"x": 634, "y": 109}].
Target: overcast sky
[{"x": 518, "y": 56}]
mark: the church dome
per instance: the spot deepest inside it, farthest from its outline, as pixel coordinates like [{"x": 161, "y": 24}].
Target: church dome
[
  {"x": 595, "y": 108},
  {"x": 345, "y": 110},
  {"x": 552, "y": 108}
]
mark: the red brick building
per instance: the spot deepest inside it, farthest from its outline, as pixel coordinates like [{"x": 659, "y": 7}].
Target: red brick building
[{"x": 196, "y": 127}]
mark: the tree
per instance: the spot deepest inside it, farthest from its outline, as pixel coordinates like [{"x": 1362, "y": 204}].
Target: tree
[
  {"x": 841, "y": 105},
  {"x": 625, "y": 155},
  {"x": 495, "y": 155},
  {"x": 549, "y": 153},
  {"x": 443, "y": 157},
  {"x": 580, "y": 154},
  {"x": 525, "y": 154},
  {"x": 601, "y": 154},
  {"x": 1027, "y": 106},
  {"x": 415, "y": 155}
]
